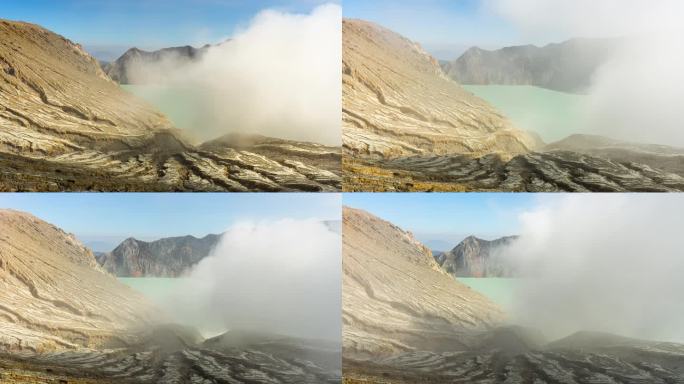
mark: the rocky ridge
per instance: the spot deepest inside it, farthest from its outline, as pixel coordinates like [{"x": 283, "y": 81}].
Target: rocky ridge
[
  {"x": 567, "y": 66},
  {"x": 474, "y": 257},
  {"x": 122, "y": 69},
  {"x": 66, "y": 126},
  {"x": 167, "y": 257}
]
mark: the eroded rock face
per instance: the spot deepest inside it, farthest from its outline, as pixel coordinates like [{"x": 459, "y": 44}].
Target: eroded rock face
[
  {"x": 550, "y": 171},
  {"x": 167, "y": 257},
  {"x": 66, "y": 126},
  {"x": 474, "y": 257},
  {"x": 398, "y": 102},
  {"x": 397, "y": 299},
  {"x": 567, "y": 66},
  {"x": 171, "y": 357},
  {"x": 509, "y": 355},
  {"x": 54, "y": 295}
]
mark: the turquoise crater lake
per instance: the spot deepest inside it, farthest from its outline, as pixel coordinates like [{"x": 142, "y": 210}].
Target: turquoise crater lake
[{"x": 551, "y": 114}]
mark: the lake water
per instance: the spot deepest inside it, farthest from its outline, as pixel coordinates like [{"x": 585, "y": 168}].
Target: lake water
[
  {"x": 553, "y": 115},
  {"x": 167, "y": 293},
  {"x": 172, "y": 297},
  {"x": 158, "y": 290},
  {"x": 498, "y": 289},
  {"x": 182, "y": 105}
]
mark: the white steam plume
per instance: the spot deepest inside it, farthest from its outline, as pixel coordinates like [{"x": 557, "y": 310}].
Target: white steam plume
[
  {"x": 598, "y": 262},
  {"x": 276, "y": 277},
  {"x": 279, "y": 77},
  {"x": 637, "y": 95}
]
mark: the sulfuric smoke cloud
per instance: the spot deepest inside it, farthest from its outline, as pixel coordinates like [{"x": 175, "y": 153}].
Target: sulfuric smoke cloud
[
  {"x": 276, "y": 277},
  {"x": 597, "y": 262},
  {"x": 279, "y": 77},
  {"x": 636, "y": 95}
]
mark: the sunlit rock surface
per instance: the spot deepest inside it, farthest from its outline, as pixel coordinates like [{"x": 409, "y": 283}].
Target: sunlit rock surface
[{"x": 65, "y": 125}]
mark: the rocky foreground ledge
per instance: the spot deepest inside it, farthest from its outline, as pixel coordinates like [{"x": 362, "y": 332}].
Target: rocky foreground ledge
[{"x": 579, "y": 163}]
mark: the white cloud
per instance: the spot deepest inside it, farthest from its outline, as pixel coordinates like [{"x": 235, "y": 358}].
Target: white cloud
[
  {"x": 275, "y": 276},
  {"x": 278, "y": 77},
  {"x": 603, "y": 262},
  {"x": 638, "y": 94}
]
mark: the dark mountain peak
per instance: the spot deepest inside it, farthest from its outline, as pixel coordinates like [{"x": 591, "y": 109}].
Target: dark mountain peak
[
  {"x": 130, "y": 240},
  {"x": 165, "y": 257},
  {"x": 119, "y": 69},
  {"x": 472, "y": 238},
  {"x": 566, "y": 66},
  {"x": 476, "y": 257}
]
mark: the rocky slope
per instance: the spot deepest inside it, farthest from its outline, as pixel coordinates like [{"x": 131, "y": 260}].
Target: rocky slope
[
  {"x": 54, "y": 295},
  {"x": 474, "y": 257},
  {"x": 167, "y": 257},
  {"x": 123, "y": 70},
  {"x": 65, "y": 125},
  {"x": 396, "y": 101},
  {"x": 567, "y": 66},
  {"x": 397, "y": 299}
]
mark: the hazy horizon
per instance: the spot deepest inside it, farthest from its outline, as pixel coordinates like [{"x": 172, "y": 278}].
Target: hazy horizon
[
  {"x": 109, "y": 218},
  {"x": 107, "y": 29}
]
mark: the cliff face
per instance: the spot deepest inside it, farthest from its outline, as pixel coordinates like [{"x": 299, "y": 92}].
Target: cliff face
[
  {"x": 475, "y": 257},
  {"x": 122, "y": 70},
  {"x": 397, "y": 102},
  {"x": 567, "y": 66},
  {"x": 167, "y": 257},
  {"x": 55, "y": 296},
  {"x": 66, "y": 126},
  {"x": 397, "y": 299}
]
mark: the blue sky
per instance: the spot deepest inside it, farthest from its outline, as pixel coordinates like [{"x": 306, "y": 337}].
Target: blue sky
[
  {"x": 443, "y": 219},
  {"x": 108, "y": 218},
  {"x": 107, "y": 28},
  {"x": 446, "y": 28}
]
